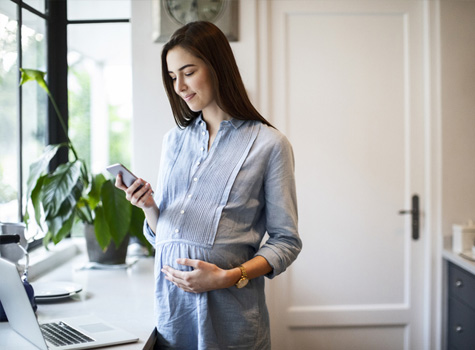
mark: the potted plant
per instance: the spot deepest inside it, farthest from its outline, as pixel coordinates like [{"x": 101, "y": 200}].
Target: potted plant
[{"x": 70, "y": 193}]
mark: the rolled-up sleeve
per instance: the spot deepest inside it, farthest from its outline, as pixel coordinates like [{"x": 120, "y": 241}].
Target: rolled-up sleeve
[{"x": 284, "y": 243}]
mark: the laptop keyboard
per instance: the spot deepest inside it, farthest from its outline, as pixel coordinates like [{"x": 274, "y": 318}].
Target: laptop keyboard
[{"x": 61, "y": 334}]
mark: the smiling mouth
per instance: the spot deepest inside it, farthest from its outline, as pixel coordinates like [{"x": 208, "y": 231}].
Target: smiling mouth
[{"x": 188, "y": 97}]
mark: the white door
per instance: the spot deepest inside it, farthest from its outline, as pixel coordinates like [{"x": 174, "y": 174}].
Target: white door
[{"x": 344, "y": 80}]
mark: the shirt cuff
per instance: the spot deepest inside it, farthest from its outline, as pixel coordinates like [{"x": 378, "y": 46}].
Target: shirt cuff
[{"x": 274, "y": 261}]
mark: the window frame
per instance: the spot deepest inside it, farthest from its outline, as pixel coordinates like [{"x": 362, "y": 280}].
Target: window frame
[
  {"x": 21, "y": 5},
  {"x": 56, "y": 23}
]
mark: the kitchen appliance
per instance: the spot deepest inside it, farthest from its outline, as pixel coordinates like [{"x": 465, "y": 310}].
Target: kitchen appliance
[{"x": 15, "y": 240}]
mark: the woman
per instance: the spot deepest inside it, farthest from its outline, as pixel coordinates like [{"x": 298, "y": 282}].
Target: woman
[{"x": 226, "y": 178}]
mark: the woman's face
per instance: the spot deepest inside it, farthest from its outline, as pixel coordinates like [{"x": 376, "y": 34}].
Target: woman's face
[{"x": 191, "y": 79}]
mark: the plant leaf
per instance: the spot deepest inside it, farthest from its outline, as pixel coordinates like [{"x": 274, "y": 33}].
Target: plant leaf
[
  {"x": 36, "y": 75},
  {"x": 85, "y": 175},
  {"x": 84, "y": 212},
  {"x": 35, "y": 181},
  {"x": 59, "y": 185},
  {"x": 137, "y": 222},
  {"x": 101, "y": 228},
  {"x": 36, "y": 200},
  {"x": 94, "y": 195},
  {"x": 46, "y": 240},
  {"x": 136, "y": 226},
  {"x": 117, "y": 211},
  {"x": 39, "y": 76},
  {"x": 61, "y": 223},
  {"x": 40, "y": 167}
]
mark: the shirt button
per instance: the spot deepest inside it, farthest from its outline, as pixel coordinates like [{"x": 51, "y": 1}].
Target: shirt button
[
  {"x": 198, "y": 163},
  {"x": 189, "y": 196},
  {"x": 202, "y": 149},
  {"x": 203, "y": 133},
  {"x": 177, "y": 230},
  {"x": 182, "y": 212},
  {"x": 195, "y": 179}
]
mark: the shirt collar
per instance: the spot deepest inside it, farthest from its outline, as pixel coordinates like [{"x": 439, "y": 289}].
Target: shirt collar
[
  {"x": 233, "y": 121},
  {"x": 236, "y": 122}
]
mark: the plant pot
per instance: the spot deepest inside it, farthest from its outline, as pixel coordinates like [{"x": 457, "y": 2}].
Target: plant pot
[{"x": 111, "y": 255}]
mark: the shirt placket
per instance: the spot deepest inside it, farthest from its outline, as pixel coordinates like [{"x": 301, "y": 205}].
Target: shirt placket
[{"x": 202, "y": 153}]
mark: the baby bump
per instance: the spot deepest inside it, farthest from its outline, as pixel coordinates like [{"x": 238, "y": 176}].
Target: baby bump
[{"x": 223, "y": 256}]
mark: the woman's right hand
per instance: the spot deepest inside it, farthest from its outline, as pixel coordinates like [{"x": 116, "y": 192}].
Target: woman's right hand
[{"x": 139, "y": 193}]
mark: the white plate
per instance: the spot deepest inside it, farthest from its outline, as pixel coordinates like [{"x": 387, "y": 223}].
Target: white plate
[{"x": 55, "y": 290}]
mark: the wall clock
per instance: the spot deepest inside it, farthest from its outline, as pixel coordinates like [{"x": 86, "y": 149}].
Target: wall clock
[{"x": 169, "y": 15}]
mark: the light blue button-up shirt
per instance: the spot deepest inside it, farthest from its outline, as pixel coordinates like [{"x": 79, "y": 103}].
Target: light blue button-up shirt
[{"x": 216, "y": 206}]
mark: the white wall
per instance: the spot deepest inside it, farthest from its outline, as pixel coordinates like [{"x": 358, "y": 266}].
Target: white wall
[
  {"x": 152, "y": 115},
  {"x": 457, "y": 25}
]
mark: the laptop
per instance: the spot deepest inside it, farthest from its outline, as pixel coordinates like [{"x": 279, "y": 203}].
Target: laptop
[{"x": 85, "y": 332}]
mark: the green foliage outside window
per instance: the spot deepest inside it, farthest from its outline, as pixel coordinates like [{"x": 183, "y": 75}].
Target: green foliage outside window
[
  {"x": 79, "y": 105},
  {"x": 119, "y": 138}
]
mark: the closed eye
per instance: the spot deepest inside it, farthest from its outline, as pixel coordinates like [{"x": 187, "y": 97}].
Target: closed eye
[{"x": 189, "y": 74}]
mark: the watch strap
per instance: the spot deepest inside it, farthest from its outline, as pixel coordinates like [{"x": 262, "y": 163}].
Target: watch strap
[
  {"x": 242, "y": 282},
  {"x": 243, "y": 272}
]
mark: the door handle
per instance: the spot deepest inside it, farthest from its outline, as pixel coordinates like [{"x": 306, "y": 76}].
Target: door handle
[{"x": 415, "y": 216}]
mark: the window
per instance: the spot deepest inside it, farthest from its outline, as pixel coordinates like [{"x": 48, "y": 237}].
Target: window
[
  {"x": 98, "y": 82},
  {"x": 23, "y": 111},
  {"x": 8, "y": 113},
  {"x": 100, "y": 94}
]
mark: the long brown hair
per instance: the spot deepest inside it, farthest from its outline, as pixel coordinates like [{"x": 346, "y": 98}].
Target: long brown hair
[{"x": 207, "y": 42}]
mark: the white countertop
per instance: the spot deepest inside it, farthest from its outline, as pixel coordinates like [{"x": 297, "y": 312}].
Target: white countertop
[
  {"x": 123, "y": 297},
  {"x": 449, "y": 255}
]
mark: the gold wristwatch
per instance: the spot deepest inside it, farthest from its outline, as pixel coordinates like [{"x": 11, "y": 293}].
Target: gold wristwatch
[{"x": 243, "y": 280}]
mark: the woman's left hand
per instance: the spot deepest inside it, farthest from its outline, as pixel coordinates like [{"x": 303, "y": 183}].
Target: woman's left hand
[{"x": 204, "y": 277}]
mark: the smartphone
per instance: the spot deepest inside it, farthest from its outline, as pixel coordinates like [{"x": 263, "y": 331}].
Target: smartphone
[{"x": 128, "y": 177}]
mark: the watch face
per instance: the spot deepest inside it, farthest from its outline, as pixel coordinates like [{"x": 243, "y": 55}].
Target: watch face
[
  {"x": 242, "y": 282},
  {"x": 185, "y": 11}
]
